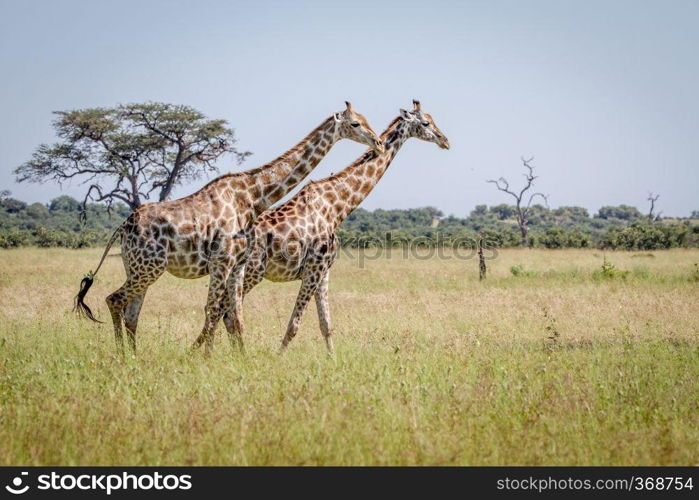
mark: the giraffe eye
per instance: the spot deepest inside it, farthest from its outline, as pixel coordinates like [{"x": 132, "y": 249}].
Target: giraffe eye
[
  {"x": 355, "y": 124},
  {"x": 425, "y": 124}
]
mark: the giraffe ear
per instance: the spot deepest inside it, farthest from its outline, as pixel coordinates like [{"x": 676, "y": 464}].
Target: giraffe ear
[
  {"x": 338, "y": 117},
  {"x": 406, "y": 115}
]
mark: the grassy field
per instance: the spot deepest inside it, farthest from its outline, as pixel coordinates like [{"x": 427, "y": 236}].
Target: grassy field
[{"x": 560, "y": 364}]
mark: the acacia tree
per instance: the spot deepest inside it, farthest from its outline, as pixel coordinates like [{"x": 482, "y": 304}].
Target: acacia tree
[
  {"x": 522, "y": 209},
  {"x": 131, "y": 152}
]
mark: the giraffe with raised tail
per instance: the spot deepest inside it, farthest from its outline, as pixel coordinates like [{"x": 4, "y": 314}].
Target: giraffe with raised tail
[
  {"x": 208, "y": 231},
  {"x": 296, "y": 241}
]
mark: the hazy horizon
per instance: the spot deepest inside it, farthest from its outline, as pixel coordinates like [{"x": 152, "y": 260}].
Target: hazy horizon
[{"x": 602, "y": 94}]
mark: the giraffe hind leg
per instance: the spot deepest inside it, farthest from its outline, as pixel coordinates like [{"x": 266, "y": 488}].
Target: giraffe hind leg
[
  {"x": 125, "y": 306},
  {"x": 116, "y": 303},
  {"x": 131, "y": 313}
]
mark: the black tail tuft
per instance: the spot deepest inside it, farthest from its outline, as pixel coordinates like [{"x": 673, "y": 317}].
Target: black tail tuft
[{"x": 80, "y": 306}]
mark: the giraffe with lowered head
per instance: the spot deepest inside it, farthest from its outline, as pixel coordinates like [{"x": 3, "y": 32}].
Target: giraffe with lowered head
[
  {"x": 207, "y": 232},
  {"x": 296, "y": 241}
]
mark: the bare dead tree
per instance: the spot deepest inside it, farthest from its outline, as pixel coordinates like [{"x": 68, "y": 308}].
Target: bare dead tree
[
  {"x": 521, "y": 208},
  {"x": 653, "y": 197}
]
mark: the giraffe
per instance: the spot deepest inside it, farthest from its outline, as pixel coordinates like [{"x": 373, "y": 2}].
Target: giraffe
[
  {"x": 296, "y": 241},
  {"x": 207, "y": 232}
]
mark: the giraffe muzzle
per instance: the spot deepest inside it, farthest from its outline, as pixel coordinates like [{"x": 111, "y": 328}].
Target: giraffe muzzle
[{"x": 379, "y": 147}]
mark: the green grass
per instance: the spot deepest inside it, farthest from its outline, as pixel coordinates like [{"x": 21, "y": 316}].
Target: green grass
[{"x": 555, "y": 366}]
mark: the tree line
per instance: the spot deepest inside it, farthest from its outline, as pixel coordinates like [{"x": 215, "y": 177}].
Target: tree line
[
  {"x": 58, "y": 224},
  {"x": 612, "y": 227}
]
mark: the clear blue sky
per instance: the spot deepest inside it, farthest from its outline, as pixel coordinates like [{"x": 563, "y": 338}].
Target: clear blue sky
[{"x": 602, "y": 93}]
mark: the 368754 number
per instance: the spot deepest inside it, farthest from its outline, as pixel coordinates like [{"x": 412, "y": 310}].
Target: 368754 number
[{"x": 662, "y": 483}]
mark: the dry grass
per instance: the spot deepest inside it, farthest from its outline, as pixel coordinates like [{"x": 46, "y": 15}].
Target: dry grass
[{"x": 558, "y": 365}]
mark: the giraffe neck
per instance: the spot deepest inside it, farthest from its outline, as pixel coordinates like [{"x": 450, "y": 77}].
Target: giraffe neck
[
  {"x": 353, "y": 184},
  {"x": 274, "y": 180}
]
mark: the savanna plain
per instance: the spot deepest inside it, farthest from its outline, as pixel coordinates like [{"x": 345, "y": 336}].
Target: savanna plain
[{"x": 559, "y": 357}]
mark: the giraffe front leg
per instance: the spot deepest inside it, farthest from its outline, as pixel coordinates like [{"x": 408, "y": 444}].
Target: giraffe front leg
[
  {"x": 308, "y": 288},
  {"x": 323, "y": 307}
]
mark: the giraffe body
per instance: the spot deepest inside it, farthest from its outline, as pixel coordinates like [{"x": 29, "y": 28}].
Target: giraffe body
[
  {"x": 297, "y": 241},
  {"x": 207, "y": 232}
]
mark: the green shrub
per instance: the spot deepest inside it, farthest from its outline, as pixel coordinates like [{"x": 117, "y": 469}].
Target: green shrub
[
  {"x": 694, "y": 274},
  {"x": 12, "y": 238},
  {"x": 649, "y": 236},
  {"x": 640, "y": 272},
  {"x": 557, "y": 237},
  {"x": 610, "y": 271},
  {"x": 519, "y": 271},
  {"x": 48, "y": 238}
]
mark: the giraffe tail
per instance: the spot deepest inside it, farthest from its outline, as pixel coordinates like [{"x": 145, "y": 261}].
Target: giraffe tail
[{"x": 79, "y": 306}]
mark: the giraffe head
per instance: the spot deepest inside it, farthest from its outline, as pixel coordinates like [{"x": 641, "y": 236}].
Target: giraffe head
[
  {"x": 422, "y": 126},
  {"x": 353, "y": 125}
]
